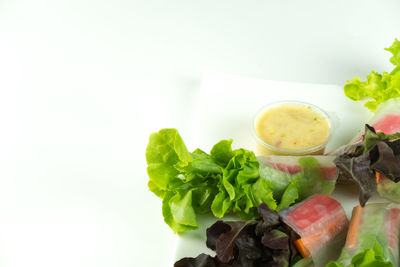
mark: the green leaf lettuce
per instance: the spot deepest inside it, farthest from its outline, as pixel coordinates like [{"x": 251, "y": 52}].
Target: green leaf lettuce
[
  {"x": 378, "y": 87},
  {"x": 224, "y": 181}
]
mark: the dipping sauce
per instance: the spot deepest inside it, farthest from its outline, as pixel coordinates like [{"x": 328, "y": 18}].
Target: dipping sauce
[{"x": 291, "y": 128}]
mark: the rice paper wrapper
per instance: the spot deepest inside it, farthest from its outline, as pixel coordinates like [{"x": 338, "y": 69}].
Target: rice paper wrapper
[
  {"x": 386, "y": 119},
  {"x": 388, "y": 189},
  {"x": 322, "y": 224},
  {"x": 317, "y": 174},
  {"x": 378, "y": 223}
]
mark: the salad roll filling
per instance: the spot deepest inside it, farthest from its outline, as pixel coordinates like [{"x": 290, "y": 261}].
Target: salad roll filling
[
  {"x": 373, "y": 237},
  {"x": 318, "y": 220}
]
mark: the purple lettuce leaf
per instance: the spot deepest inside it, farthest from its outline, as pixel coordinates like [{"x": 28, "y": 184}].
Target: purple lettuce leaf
[
  {"x": 377, "y": 153},
  {"x": 203, "y": 260},
  {"x": 263, "y": 242},
  {"x": 359, "y": 169},
  {"x": 275, "y": 239},
  {"x": 387, "y": 163},
  {"x": 226, "y": 246},
  {"x": 213, "y": 232},
  {"x": 269, "y": 217}
]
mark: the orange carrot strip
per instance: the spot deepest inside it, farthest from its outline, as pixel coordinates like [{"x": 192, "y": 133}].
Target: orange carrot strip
[
  {"x": 351, "y": 240},
  {"x": 300, "y": 244},
  {"x": 301, "y": 248},
  {"x": 378, "y": 176}
]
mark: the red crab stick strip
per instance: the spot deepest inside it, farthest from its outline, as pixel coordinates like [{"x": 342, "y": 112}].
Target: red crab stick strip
[
  {"x": 317, "y": 220},
  {"x": 388, "y": 124}
]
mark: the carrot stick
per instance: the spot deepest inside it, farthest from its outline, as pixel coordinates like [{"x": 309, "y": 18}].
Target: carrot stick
[
  {"x": 302, "y": 243},
  {"x": 378, "y": 176},
  {"x": 351, "y": 240},
  {"x": 305, "y": 253}
]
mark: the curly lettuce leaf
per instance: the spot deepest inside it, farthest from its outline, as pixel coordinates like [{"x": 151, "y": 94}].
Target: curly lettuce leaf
[
  {"x": 224, "y": 181},
  {"x": 379, "y": 87},
  {"x": 241, "y": 187},
  {"x": 178, "y": 212},
  {"x": 165, "y": 151},
  {"x": 263, "y": 193},
  {"x": 166, "y": 146},
  {"x": 395, "y": 50},
  {"x": 222, "y": 152},
  {"x": 186, "y": 181},
  {"x": 221, "y": 204}
]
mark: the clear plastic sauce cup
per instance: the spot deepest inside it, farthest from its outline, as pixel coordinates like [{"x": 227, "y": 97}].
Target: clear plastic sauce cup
[{"x": 297, "y": 124}]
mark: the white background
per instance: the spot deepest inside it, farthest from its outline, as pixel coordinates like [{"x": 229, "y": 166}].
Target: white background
[{"x": 83, "y": 84}]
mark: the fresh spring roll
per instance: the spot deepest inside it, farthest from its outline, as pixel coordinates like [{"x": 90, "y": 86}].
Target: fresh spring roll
[
  {"x": 386, "y": 119},
  {"x": 294, "y": 178},
  {"x": 273, "y": 239},
  {"x": 321, "y": 223},
  {"x": 373, "y": 237}
]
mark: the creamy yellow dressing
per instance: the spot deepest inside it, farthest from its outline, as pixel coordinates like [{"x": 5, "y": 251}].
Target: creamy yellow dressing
[{"x": 292, "y": 127}]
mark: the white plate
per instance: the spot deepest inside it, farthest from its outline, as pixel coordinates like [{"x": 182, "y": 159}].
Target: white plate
[{"x": 226, "y": 107}]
